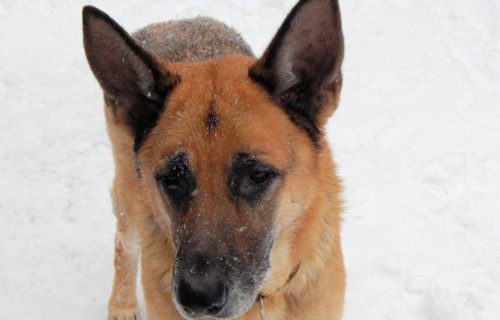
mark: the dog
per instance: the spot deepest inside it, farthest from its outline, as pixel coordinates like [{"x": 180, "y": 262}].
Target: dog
[{"x": 225, "y": 190}]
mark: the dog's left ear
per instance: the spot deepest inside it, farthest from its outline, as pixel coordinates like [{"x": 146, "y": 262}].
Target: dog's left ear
[{"x": 301, "y": 67}]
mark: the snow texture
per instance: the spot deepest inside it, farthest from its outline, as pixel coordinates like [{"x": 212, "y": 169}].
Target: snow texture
[{"x": 416, "y": 140}]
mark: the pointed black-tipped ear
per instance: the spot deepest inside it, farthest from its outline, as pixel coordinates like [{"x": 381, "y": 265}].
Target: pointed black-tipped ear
[
  {"x": 134, "y": 85},
  {"x": 301, "y": 67}
]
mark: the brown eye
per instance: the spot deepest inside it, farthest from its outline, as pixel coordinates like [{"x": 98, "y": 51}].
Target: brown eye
[
  {"x": 259, "y": 176},
  {"x": 250, "y": 179},
  {"x": 171, "y": 180},
  {"x": 177, "y": 182}
]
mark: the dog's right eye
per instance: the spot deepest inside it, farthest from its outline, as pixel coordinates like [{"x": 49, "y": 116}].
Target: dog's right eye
[
  {"x": 171, "y": 180},
  {"x": 177, "y": 182}
]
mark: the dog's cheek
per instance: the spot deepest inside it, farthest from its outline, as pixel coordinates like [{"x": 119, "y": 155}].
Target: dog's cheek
[
  {"x": 160, "y": 212},
  {"x": 259, "y": 255},
  {"x": 248, "y": 280}
]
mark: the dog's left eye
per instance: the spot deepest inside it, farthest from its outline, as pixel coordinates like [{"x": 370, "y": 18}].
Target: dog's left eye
[
  {"x": 253, "y": 183},
  {"x": 249, "y": 178},
  {"x": 259, "y": 176}
]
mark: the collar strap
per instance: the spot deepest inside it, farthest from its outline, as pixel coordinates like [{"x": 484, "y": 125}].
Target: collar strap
[{"x": 261, "y": 297}]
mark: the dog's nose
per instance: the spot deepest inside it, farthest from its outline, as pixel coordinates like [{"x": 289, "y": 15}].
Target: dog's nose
[{"x": 201, "y": 295}]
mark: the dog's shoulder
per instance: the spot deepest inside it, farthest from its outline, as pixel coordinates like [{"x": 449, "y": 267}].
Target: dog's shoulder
[{"x": 194, "y": 39}]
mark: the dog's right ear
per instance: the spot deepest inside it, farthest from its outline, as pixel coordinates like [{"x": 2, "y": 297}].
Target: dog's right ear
[{"x": 134, "y": 84}]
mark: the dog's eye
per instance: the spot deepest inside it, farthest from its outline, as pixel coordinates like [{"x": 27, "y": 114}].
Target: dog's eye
[
  {"x": 177, "y": 182},
  {"x": 254, "y": 183},
  {"x": 171, "y": 180},
  {"x": 259, "y": 176},
  {"x": 250, "y": 178}
]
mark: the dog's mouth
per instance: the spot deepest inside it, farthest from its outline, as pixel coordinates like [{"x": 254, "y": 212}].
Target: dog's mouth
[
  {"x": 215, "y": 293},
  {"x": 211, "y": 280},
  {"x": 221, "y": 302}
]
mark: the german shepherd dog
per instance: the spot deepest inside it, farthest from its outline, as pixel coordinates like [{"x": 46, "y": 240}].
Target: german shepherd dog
[{"x": 224, "y": 181}]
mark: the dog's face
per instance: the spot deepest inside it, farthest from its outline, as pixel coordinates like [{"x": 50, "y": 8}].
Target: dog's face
[
  {"x": 224, "y": 147},
  {"x": 217, "y": 175}
]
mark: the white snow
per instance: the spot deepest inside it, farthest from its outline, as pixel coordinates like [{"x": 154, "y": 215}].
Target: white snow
[{"x": 416, "y": 140}]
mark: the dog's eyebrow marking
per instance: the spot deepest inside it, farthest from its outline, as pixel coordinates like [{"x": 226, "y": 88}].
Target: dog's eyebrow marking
[{"x": 211, "y": 120}]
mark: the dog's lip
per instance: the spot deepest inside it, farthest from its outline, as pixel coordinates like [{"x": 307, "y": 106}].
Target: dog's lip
[{"x": 186, "y": 314}]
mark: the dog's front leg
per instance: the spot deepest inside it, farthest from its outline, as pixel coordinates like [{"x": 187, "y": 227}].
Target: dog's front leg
[{"x": 123, "y": 301}]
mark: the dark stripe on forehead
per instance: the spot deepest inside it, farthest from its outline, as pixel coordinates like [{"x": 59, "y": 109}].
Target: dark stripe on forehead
[{"x": 211, "y": 119}]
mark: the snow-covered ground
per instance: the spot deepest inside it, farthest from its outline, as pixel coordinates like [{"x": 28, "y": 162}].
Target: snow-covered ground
[{"x": 416, "y": 139}]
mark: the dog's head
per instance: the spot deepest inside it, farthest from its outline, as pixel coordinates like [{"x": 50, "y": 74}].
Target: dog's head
[{"x": 225, "y": 148}]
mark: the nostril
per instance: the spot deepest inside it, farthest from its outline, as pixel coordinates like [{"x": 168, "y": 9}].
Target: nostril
[
  {"x": 201, "y": 296},
  {"x": 213, "y": 310},
  {"x": 218, "y": 304}
]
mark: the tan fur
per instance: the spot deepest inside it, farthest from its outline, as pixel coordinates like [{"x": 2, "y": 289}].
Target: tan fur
[
  {"x": 306, "y": 278},
  {"x": 308, "y": 220},
  {"x": 194, "y": 39}
]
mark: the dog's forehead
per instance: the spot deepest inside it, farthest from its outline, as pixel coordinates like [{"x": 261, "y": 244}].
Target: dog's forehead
[{"x": 216, "y": 111}]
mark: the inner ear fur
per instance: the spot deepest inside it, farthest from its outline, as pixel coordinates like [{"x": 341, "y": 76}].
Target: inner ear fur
[
  {"x": 134, "y": 84},
  {"x": 301, "y": 68}
]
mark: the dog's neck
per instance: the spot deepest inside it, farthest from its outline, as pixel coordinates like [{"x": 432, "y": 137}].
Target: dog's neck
[
  {"x": 317, "y": 242},
  {"x": 261, "y": 297}
]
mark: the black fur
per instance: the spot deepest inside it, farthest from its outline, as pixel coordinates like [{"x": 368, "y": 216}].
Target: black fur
[
  {"x": 134, "y": 85},
  {"x": 211, "y": 120}
]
